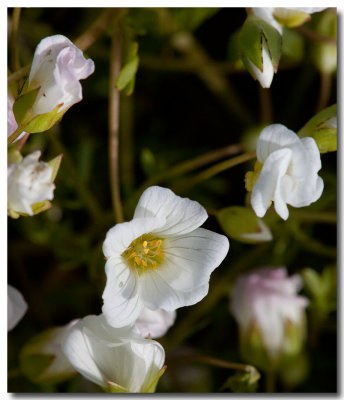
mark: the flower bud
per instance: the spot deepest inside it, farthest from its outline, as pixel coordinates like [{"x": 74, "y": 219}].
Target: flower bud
[
  {"x": 53, "y": 84},
  {"x": 16, "y": 307},
  {"x": 270, "y": 315},
  {"x": 29, "y": 182},
  {"x": 42, "y": 359}
]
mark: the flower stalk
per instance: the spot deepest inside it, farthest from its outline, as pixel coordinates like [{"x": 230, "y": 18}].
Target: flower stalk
[
  {"x": 114, "y": 103},
  {"x": 14, "y": 40}
]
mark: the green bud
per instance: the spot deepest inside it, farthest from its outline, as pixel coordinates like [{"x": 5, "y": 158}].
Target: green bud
[
  {"x": 242, "y": 224},
  {"x": 294, "y": 370},
  {"x": 243, "y": 381},
  {"x": 323, "y": 129}
]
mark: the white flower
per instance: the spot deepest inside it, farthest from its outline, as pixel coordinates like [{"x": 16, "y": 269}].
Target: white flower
[
  {"x": 289, "y": 171},
  {"x": 264, "y": 77},
  {"x": 47, "y": 346},
  {"x": 155, "y": 323},
  {"x": 107, "y": 355},
  {"x": 29, "y": 182},
  {"x": 290, "y": 16},
  {"x": 161, "y": 259},
  {"x": 16, "y": 307},
  {"x": 57, "y": 67},
  {"x": 11, "y": 121},
  {"x": 267, "y": 299}
]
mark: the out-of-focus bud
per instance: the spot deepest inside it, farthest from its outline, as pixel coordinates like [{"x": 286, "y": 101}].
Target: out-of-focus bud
[
  {"x": 53, "y": 85},
  {"x": 242, "y": 224},
  {"x": 30, "y": 185},
  {"x": 325, "y": 54},
  {"x": 323, "y": 129},
  {"x": 260, "y": 48},
  {"x": 42, "y": 359},
  {"x": 270, "y": 315},
  {"x": 16, "y": 307}
]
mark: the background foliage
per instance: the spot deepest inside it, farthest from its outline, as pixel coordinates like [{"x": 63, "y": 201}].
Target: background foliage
[{"x": 187, "y": 101}]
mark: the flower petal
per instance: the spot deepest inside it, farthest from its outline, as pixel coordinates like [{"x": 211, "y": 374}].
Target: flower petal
[
  {"x": 266, "y": 14},
  {"x": 155, "y": 323},
  {"x": 182, "y": 214},
  {"x": 264, "y": 77},
  {"x": 274, "y": 137},
  {"x": 268, "y": 186},
  {"x": 121, "y": 235},
  {"x": 16, "y": 307},
  {"x": 122, "y": 304}
]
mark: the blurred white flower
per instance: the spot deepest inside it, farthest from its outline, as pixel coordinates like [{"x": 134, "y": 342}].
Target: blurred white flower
[
  {"x": 57, "y": 67},
  {"x": 155, "y": 323},
  {"x": 161, "y": 259},
  {"x": 289, "y": 173},
  {"x": 265, "y": 76},
  {"x": 29, "y": 182},
  {"x": 16, "y": 307},
  {"x": 266, "y": 299},
  {"x": 113, "y": 357},
  {"x": 46, "y": 346},
  {"x": 289, "y": 16},
  {"x": 11, "y": 121}
]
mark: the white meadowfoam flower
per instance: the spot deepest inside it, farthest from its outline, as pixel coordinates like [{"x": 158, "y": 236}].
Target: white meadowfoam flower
[
  {"x": 111, "y": 357},
  {"x": 289, "y": 16},
  {"x": 16, "y": 307},
  {"x": 155, "y": 323},
  {"x": 11, "y": 121},
  {"x": 57, "y": 67},
  {"x": 266, "y": 299},
  {"x": 289, "y": 173},
  {"x": 29, "y": 182},
  {"x": 161, "y": 259},
  {"x": 265, "y": 76}
]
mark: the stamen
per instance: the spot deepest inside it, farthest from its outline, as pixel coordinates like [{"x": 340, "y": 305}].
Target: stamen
[{"x": 144, "y": 244}]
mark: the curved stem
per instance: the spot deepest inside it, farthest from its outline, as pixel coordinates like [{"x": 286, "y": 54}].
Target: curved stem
[
  {"x": 315, "y": 36},
  {"x": 325, "y": 91},
  {"x": 216, "y": 169},
  {"x": 190, "y": 165},
  {"x": 114, "y": 102},
  {"x": 15, "y": 64}
]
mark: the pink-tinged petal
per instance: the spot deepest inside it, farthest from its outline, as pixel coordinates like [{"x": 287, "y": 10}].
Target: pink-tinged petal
[
  {"x": 121, "y": 296},
  {"x": 182, "y": 214}
]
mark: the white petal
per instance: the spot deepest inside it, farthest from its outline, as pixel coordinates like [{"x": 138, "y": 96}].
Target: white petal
[
  {"x": 121, "y": 235},
  {"x": 274, "y": 137},
  {"x": 313, "y": 153},
  {"x": 266, "y": 14},
  {"x": 264, "y": 235},
  {"x": 122, "y": 304},
  {"x": 155, "y": 323},
  {"x": 16, "y": 307},
  {"x": 268, "y": 185},
  {"x": 182, "y": 214}
]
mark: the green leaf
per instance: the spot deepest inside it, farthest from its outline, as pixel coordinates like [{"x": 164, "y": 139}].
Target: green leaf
[
  {"x": 55, "y": 164},
  {"x": 242, "y": 224},
  {"x": 323, "y": 129},
  {"x": 43, "y": 122},
  {"x": 152, "y": 386},
  {"x": 23, "y": 105},
  {"x": 243, "y": 382}
]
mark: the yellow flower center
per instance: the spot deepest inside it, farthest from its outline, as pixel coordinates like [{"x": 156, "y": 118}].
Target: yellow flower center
[
  {"x": 144, "y": 252},
  {"x": 252, "y": 176}
]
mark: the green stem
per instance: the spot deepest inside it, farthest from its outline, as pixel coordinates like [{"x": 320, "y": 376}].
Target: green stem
[
  {"x": 14, "y": 135},
  {"x": 15, "y": 64},
  {"x": 326, "y": 217},
  {"x": 114, "y": 103},
  {"x": 214, "y": 170},
  {"x": 98, "y": 27},
  {"x": 325, "y": 91},
  {"x": 190, "y": 165},
  {"x": 85, "y": 194}
]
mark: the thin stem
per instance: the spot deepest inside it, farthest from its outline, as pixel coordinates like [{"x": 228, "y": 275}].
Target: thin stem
[
  {"x": 14, "y": 135},
  {"x": 190, "y": 165},
  {"x": 19, "y": 74},
  {"x": 98, "y": 27},
  {"x": 215, "y": 169},
  {"x": 15, "y": 64},
  {"x": 216, "y": 362},
  {"x": 270, "y": 382},
  {"x": 325, "y": 91},
  {"x": 22, "y": 141},
  {"x": 114, "y": 102},
  {"x": 315, "y": 36},
  {"x": 85, "y": 194},
  {"x": 326, "y": 217},
  {"x": 265, "y": 105}
]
